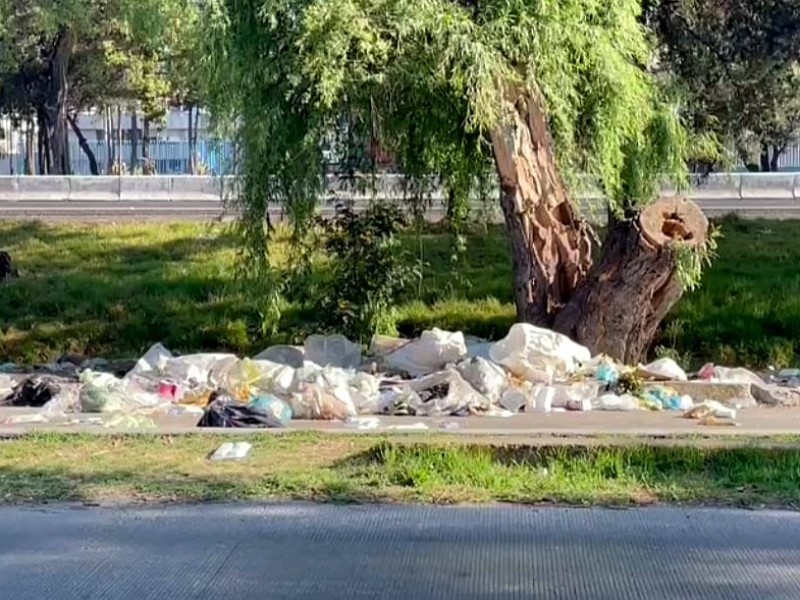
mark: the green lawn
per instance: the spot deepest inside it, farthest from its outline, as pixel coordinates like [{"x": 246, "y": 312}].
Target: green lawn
[
  {"x": 52, "y": 468},
  {"x": 112, "y": 290}
]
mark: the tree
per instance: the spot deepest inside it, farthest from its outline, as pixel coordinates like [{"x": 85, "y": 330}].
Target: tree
[
  {"x": 736, "y": 61},
  {"x": 63, "y": 56},
  {"x": 541, "y": 91}
]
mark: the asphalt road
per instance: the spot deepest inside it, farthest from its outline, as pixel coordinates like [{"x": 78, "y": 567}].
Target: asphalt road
[
  {"x": 776, "y": 208},
  {"x": 306, "y": 552}
]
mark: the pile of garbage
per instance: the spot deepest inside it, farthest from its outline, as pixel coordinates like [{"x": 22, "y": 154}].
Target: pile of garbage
[{"x": 532, "y": 370}]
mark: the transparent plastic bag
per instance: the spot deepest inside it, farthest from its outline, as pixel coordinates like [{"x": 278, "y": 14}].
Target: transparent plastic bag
[
  {"x": 282, "y": 355},
  {"x": 332, "y": 351},
  {"x": 486, "y": 377},
  {"x": 664, "y": 369},
  {"x": 432, "y": 351},
  {"x": 317, "y": 402},
  {"x": 538, "y": 355},
  {"x": 447, "y": 393}
]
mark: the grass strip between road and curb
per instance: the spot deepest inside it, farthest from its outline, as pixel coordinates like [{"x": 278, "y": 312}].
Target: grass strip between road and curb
[{"x": 44, "y": 468}]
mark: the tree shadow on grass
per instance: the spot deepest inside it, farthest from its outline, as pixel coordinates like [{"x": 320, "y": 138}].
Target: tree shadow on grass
[
  {"x": 43, "y": 485},
  {"x": 76, "y": 294}
]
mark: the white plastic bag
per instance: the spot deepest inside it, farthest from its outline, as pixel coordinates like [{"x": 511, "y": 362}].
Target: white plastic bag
[
  {"x": 460, "y": 397},
  {"x": 152, "y": 362},
  {"x": 317, "y": 402},
  {"x": 333, "y": 351},
  {"x": 519, "y": 398},
  {"x": 664, "y": 369},
  {"x": 612, "y": 402},
  {"x": 434, "y": 350},
  {"x": 486, "y": 377},
  {"x": 6, "y": 386},
  {"x": 538, "y": 355}
]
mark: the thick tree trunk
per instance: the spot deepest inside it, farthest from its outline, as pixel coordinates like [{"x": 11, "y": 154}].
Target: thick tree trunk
[
  {"x": 776, "y": 154},
  {"x": 551, "y": 247},
  {"x": 56, "y": 103},
  {"x": 613, "y": 307},
  {"x": 764, "y": 158},
  {"x": 618, "y": 308},
  {"x": 84, "y": 144}
]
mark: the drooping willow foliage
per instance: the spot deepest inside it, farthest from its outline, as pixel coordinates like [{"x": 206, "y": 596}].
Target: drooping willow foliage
[{"x": 427, "y": 78}]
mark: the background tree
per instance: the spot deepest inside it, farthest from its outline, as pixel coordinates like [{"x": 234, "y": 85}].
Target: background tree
[
  {"x": 540, "y": 90},
  {"x": 63, "y": 56},
  {"x": 737, "y": 63}
]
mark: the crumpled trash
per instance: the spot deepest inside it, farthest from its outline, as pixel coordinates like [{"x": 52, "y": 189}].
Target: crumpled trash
[
  {"x": 710, "y": 408},
  {"x": 131, "y": 422},
  {"x": 224, "y": 412},
  {"x": 193, "y": 370},
  {"x": 613, "y": 402},
  {"x": 290, "y": 356},
  {"x": 6, "y": 385},
  {"x": 432, "y": 351},
  {"x": 576, "y": 395},
  {"x": 447, "y": 393},
  {"x": 103, "y": 393},
  {"x": 538, "y": 355},
  {"x": 332, "y": 351},
  {"x": 663, "y": 369},
  {"x": 607, "y": 373},
  {"x": 710, "y": 372},
  {"x": 231, "y": 451},
  {"x": 248, "y": 377},
  {"x": 519, "y": 398},
  {"x": 487, "y": 378},
  {"x": 664, "y": 398},
  {"x": 363, "y": 423},
  {"x": 32, "y": 392},
  {"x": 398, "y": 401},
  {"x": 317, "y": 401},
  {"x": 272, "y": 405}
]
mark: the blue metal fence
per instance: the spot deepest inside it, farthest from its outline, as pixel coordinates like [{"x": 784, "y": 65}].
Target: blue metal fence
[{"x": 170, "y": 158}]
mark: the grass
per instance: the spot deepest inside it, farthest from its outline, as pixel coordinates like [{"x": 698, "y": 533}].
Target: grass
[
  {"x": 95, "y": 469},
  {"x": 112, "y": 290}
]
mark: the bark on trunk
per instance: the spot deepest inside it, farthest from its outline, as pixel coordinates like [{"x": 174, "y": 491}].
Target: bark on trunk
[
  {"x": 618, "y": 308},
  {"x": 551, "y": 247},
  {"x": 84, "y": 144},
  {"x": 764, "y": 158},
  {"x": 776, "y": 154},
  {"x": 613, "y": 307},
  {"x": 56, "y": 103}
]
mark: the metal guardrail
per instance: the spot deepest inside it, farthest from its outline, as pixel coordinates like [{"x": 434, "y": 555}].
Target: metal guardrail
[{"x": 776, "y": 194}]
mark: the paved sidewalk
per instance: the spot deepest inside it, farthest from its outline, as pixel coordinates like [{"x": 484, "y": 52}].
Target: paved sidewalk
[{"x": 751, "y": 423}]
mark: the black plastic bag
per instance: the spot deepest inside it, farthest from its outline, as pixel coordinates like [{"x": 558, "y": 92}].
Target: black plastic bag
[
  {"x": 223, "y": 413},
  {"x": 33, "y": 392}
]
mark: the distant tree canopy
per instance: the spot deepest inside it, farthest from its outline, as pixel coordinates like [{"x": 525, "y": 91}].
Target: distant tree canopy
[
  {"x": 61, "y": 56},
  {"x": 736, "y": 62}
]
